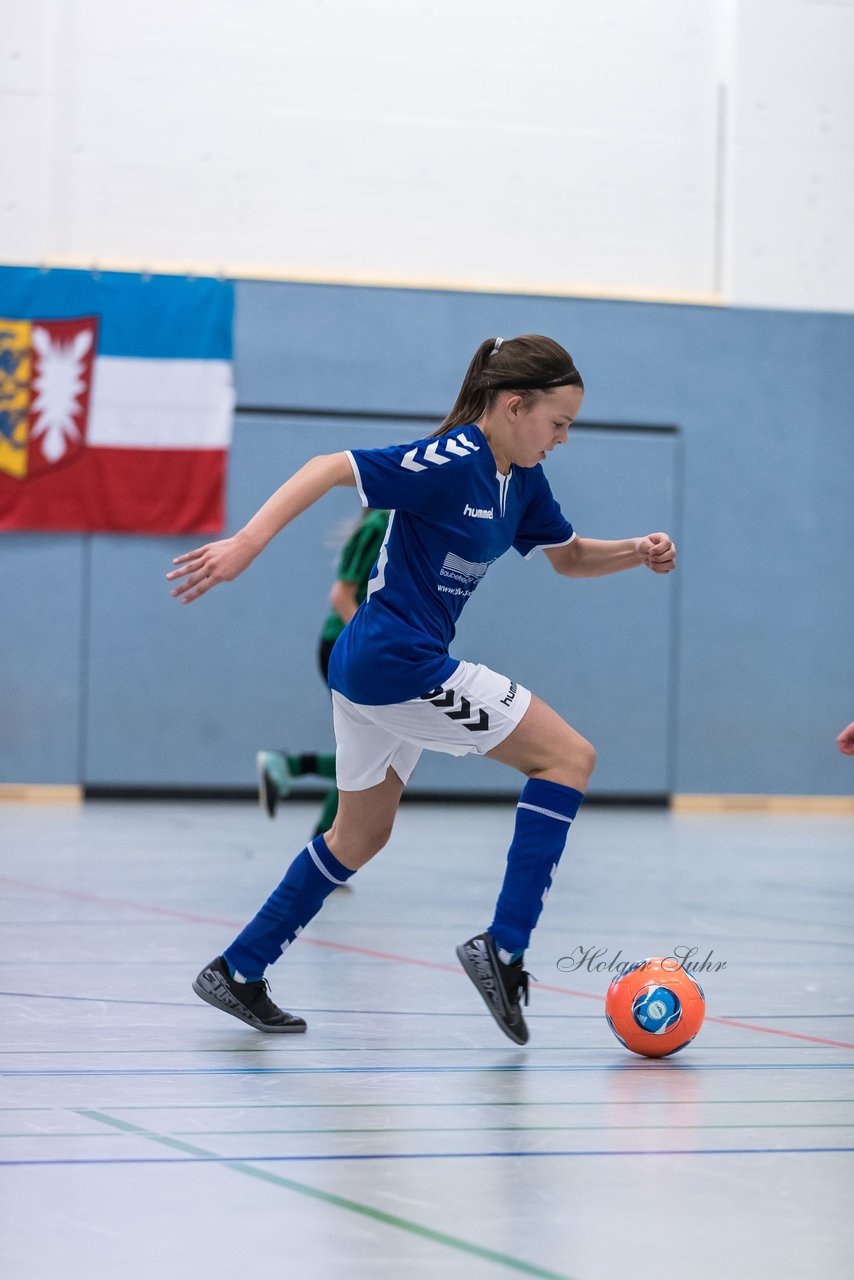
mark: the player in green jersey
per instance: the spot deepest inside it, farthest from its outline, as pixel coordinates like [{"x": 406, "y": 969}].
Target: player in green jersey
[{"x": 278, "y": 769}]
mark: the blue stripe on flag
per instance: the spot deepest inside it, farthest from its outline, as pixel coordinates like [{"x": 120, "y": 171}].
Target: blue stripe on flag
[{"x": 161, "y": 317}]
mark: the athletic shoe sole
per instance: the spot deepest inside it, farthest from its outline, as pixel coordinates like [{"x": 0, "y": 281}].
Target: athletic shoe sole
[
  {"x": 210, "y": 987},
  {"x": 268, "y": 792},
  {"x": 488, "y": 984}
]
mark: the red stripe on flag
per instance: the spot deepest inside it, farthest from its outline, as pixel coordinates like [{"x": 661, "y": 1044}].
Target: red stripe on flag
[{"x": 155, "y": 491}]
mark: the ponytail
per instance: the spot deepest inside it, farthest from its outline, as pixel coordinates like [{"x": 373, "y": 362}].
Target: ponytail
[
  {"x": 471, "y": 399},
  {"x": 530, "y": 365}
]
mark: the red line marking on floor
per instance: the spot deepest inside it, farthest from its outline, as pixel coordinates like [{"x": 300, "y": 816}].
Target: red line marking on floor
[
  {"x": 176, "y": 914},
  {"x": 773, "y": 1031},
  {"x": 117, "y": 902}
]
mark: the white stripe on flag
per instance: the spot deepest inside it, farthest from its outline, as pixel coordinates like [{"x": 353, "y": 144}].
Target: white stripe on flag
[{"x": 160, "y": 404}]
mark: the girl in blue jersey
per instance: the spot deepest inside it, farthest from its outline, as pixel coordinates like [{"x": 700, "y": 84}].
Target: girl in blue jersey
[{"x": 459, "y": 500}]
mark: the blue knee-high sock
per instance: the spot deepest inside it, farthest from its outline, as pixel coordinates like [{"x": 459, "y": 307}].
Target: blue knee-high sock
[
  {"x": 543, "y": 816},
  {"x": 310, "y": 878}
]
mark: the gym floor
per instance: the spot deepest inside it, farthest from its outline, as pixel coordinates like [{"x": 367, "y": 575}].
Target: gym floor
[{"x": 145, "y": 1134}]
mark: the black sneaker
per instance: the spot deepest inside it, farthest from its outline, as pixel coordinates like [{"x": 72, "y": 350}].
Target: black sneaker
[
  {"x": 247, "y": 1001},
  {"x": 274, "y": 779},
  {"x": 500, "y": 985}
]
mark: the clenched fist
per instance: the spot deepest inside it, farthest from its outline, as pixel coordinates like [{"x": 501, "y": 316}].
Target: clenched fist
[{"x": 657, "y": 552}]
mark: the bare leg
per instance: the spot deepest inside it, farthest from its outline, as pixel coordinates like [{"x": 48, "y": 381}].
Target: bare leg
[
  {"x": 544, "y": 746},
  {"x": 364, "y": 821}
]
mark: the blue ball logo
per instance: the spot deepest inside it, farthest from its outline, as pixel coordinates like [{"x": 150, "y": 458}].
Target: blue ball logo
[{"x": 656, "y": 1009}]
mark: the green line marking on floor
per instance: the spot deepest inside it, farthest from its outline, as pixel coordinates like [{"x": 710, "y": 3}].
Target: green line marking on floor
[{"x": 340, "y": 1202}]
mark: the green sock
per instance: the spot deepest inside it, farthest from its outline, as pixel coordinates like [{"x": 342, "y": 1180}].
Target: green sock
[
  {"x": 326, "y": 769},
  {"x": 323, "y": 765},
  {"x": 328, "y": 812}
]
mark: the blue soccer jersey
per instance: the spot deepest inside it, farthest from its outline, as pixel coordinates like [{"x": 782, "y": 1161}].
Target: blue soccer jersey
[{"x": 453, "y": 514}]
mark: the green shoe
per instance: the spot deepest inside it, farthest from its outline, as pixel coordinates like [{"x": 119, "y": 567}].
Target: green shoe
[{"x": 274, "y": 779}]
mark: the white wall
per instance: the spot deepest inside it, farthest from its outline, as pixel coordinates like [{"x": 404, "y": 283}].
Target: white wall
[
  {"x": 601, "y": 146},
  {"x": 790, "y": 202}
]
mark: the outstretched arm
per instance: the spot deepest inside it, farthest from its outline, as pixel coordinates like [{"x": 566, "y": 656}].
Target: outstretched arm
[
  {"x": 593, "y": 557},
  {"x": 225, "y": 560},
  {"x": 343, "y": 598}
]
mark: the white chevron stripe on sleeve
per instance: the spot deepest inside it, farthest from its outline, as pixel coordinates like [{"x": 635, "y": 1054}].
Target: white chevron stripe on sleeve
[
  {"x": 431, "y": 454},
  {"x": 409, "y": 464}
]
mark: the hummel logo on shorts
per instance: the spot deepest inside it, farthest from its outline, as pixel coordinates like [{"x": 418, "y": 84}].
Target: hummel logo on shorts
[{"x": 457, "y": 708}]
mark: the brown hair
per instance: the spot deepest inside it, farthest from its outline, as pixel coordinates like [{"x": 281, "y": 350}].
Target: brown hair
[{"x": 530, "y": 365}]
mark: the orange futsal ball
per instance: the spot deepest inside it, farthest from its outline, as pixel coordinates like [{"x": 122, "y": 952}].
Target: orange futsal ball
[{"x": 655, "y": 1008}]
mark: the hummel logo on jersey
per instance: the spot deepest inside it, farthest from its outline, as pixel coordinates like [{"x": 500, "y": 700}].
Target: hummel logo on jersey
[
  {"x": 479, "y": 513},
  {"x": 446, "y": 700},
  {"x": 439, "y": 452}
]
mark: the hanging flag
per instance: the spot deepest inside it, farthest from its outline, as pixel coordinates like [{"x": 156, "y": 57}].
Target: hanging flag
[{"x": 116, "y": 401}]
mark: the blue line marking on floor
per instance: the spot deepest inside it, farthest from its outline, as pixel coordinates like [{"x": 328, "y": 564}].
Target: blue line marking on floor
[
  {"x": 436, "y": 1155},
  {"x": 650, "y": 1065}
]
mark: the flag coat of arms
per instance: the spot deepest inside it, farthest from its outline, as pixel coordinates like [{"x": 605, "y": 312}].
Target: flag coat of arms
[{"x": 116, "y": 401}]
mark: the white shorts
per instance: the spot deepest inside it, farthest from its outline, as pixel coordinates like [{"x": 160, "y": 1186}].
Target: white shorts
[{"x": 474, "y": 710}]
